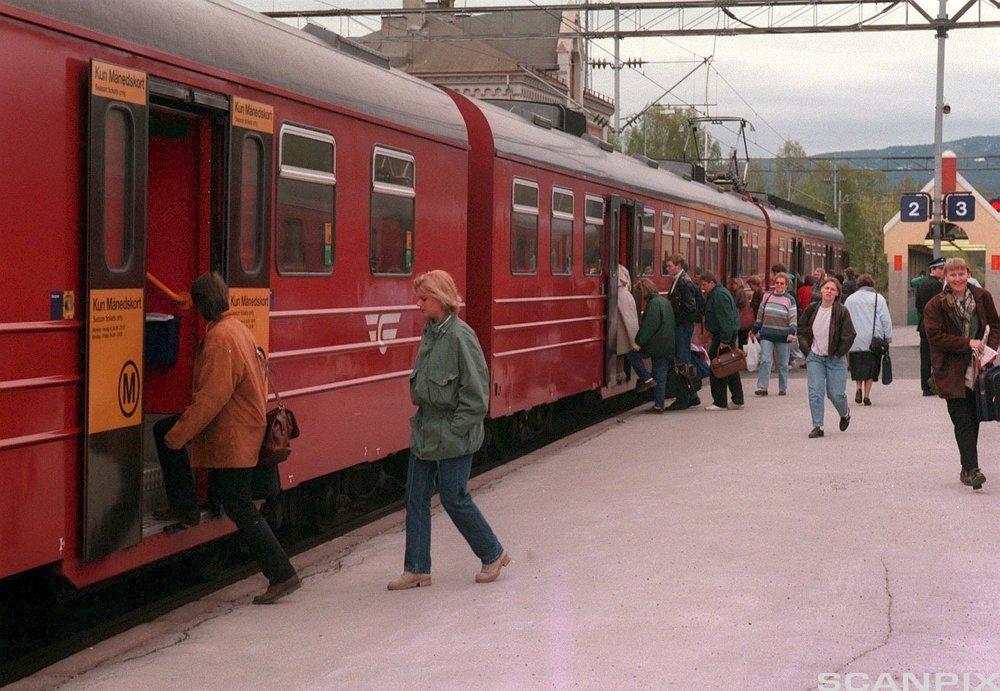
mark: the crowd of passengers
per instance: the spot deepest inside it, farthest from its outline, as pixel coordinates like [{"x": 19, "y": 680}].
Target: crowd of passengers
[
  {"x": 831, "y": 323},
  {"x": 834, "y": 325}
]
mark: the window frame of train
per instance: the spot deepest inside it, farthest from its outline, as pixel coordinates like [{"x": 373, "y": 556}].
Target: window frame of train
[
  {"x": 593, "y": 227},
  {"x": 666, "y": 239},
  {"x": 647, "y": 241},
  {"x": 292, "y": 176},
  {"x": 382, "y": 189},
  {"x": 700, "y": 244},
  {"x": 684, "y": 245},
  {"x": 754, "y": 253},
  {"x": 560, "y": 217},
  {"x": 521, "y": 211},
  {"x": 713, "y": 247}
]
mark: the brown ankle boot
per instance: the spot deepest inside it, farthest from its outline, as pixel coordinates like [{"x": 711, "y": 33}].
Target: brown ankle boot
[
  {"x": 410, "y": 580},
  {"x": 490, "y": 572}
]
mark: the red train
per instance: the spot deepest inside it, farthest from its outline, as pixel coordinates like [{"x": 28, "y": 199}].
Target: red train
[{"x": 187, "y": 135}]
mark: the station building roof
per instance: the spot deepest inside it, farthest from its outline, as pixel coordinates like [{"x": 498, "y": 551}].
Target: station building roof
[{"x": 228, "y": 37}]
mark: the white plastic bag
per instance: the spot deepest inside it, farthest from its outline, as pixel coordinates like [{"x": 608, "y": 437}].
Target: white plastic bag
[{"x": 752, "y": 350}]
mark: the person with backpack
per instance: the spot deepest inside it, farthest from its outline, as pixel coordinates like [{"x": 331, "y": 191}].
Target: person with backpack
[
  {"x": 775, "y": 329},
  {"x": 684, "y": 299}
]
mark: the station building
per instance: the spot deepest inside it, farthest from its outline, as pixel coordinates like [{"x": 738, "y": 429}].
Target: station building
[{"x": 909, "y": 246}]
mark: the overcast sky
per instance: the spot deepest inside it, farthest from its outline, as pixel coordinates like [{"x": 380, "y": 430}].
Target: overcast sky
[{"x": 828, "y": 92}]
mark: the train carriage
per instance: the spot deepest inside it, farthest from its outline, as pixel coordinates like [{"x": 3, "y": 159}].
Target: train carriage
[
  {"x": 551, "y": 216},
  {"x": 170, "y": 138},
  {"x": 148, "y": 142}
]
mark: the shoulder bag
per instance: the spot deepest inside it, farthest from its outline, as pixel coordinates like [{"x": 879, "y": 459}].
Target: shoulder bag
[
  {"x": 728, "y": 361},
  {"x": 280, "y": 426},
  {"x": 878, "y": 346}
]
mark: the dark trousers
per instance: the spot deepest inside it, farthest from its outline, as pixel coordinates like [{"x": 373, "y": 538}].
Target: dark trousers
[
  {"x": 966, "y": 422},
  {"x": 925, "y": 364},
  {"x": 177, "y": 479},
  {"x": 233, "y": 487},
  {"x": 731, "y": 383},
  {"x": 452, "y": 475}
]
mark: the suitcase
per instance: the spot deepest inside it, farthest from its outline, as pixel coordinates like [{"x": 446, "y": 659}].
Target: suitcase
[{"x": 987, "y": 395}]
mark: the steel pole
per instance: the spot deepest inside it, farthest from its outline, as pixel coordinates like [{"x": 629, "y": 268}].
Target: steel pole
[
  {"x": 937, "y": 215},
  {"x": 618, "y": 73}
]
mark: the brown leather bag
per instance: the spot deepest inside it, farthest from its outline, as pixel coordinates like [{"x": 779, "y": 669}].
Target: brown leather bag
[
  {"x": 280, "y": 426},
  {"x": 729, "y": 361}
]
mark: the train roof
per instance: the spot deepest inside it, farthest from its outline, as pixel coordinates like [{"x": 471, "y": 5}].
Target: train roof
[
  {"x": 515, "y": 136},
  {"x": 226, "y": 36}
]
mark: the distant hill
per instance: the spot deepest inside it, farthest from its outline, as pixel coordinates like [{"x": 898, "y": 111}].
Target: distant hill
[{"x": 986, "y": 181}]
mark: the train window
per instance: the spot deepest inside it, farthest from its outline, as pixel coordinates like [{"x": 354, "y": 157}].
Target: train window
[
  {"x": 561, "y": 254},
  {"x": 119, "y": 191},
  {"x": 713, "y": 247},
  {"x": 393, "y": 196},
  {"x": 593, "y": 235},
  {"x": 699, "y": 245},
  {"x": 667, "y": 240},
  {"x": 684, "y": 248},
  {"x": 524, "y": 228},
  {"x": 755, "y": 253},
  {"x": 251, "y": 204},
  {"x": 647, "y": 243},
  {"x": 306, "y": 202}
]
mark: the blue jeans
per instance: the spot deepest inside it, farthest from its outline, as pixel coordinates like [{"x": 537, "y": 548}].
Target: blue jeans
[
  {"x": 661, "y": 367},
  {"x": 683, "y": 333},
  {"x": 453, "y": 476},
  {"x": 827, "y": 376},
  {"x": 767, "y": 351}
]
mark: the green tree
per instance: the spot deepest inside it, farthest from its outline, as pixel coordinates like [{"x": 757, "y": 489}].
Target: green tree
[{"x": 664, "y": 133}]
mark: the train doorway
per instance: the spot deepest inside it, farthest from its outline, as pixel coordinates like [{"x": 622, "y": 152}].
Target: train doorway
[
  {"x": 178, "y": 183},
  {"x": 622, "y": 228}
]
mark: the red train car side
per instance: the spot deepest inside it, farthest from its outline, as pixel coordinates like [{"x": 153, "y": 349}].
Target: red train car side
[{"x": 168, "y": 140}]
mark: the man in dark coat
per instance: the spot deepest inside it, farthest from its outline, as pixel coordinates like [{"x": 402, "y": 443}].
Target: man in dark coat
[
  {"x": 927, "y": 289},
  {"x": 723, "y": 322},
  {"x": 684, "y": 300},
  {"x": 955, "y": 322}
]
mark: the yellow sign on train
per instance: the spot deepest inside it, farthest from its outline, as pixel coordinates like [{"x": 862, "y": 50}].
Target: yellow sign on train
[
  {"x": 251, "y": 115},
  {"x": 117, "y": 83},
  {"x": 252, "y": 306},
  {"x": 114, "y": 364}
]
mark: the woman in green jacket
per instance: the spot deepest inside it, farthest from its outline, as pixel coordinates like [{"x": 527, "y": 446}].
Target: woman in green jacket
[
  {"x": 655, "y": 340},
  {"x": 449, "y": 385}
]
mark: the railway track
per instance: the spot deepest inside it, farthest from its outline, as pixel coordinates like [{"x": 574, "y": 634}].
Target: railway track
[{"x": 44, "y": 620}]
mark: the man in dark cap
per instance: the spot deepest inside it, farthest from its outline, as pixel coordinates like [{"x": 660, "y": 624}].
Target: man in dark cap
[{"x": 928, "y": 288}]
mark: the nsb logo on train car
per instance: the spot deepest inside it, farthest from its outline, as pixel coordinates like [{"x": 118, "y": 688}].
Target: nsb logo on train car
[{"x": 385, "y": 328}]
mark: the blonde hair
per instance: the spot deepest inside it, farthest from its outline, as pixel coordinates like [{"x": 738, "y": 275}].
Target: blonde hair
[
  {"x": 439, "y": 285},
  {"x": 956, "y": 263}
]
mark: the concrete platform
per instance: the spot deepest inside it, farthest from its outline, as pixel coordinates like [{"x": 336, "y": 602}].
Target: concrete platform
[{"x": 688, "y": 550}]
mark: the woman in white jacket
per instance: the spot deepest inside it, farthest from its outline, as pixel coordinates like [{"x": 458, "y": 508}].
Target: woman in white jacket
[
  {"x": 628, "y": 316},
  {"x": 870, "y": 316}
]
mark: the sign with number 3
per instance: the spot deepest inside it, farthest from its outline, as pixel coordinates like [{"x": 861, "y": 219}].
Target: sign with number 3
[{"x": 960, "y": 207}]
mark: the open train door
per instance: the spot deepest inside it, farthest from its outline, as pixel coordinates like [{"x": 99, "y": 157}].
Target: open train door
[
  {"x": 733, "y": 253},
  {"x": 248, "y": 212},
  {"x": 621, "y": 243},
  {"x": 117, "y": 153}
]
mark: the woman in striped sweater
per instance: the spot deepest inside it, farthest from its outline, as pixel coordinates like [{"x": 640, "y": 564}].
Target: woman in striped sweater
[{"x": 775, "y": 329}]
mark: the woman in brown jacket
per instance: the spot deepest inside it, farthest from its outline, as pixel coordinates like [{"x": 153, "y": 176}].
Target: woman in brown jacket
[
  {"x": 954, "y": 323},
  {"x": 225, "y": 426}
]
